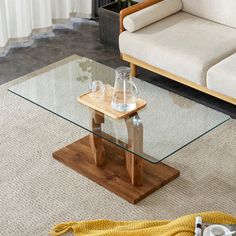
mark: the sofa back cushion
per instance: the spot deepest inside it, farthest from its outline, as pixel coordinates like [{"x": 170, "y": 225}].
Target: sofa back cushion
[{"x": 220, "y": 11}]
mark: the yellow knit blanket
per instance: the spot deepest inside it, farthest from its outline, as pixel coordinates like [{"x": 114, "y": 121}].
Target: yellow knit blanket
[{"x": 183, "y": 226}]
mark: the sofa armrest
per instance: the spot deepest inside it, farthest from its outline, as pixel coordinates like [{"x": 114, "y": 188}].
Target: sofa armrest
[
  {"x": 151, "y": 14},
  {"x": 132, "y": 9}
]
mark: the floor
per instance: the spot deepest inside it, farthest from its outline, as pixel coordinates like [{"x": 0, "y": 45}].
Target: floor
[
  {"x": 37, "y": 192},
  {"x": 84, "y": 41}
]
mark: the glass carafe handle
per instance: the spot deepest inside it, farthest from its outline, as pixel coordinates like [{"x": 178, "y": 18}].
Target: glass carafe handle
[{"x": 136, "y": 91}]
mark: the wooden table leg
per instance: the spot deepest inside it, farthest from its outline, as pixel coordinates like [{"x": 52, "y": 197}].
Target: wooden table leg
[
  {"x": 134, "y": 164},
  {"x": 133, "y": 68},
  {"x": 96, "y": 142}
]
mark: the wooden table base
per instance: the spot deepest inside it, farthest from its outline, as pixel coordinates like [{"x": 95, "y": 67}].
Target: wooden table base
[{"x": 113, "y": 174}]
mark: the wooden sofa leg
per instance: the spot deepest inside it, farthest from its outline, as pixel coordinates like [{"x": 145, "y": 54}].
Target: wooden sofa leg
[{"x": 133, "y": 68}]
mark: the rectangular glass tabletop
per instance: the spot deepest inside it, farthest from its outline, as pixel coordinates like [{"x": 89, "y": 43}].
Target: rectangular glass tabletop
[{"x": 170, "y": 122}]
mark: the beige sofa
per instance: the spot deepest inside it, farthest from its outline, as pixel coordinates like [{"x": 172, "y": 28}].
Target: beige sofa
[{"x": 190, "y": 41}]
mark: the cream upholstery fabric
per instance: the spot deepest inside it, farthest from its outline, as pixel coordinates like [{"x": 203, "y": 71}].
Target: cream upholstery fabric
[
  {"x": 151, "y": 14},
  {"x": 221, "y": 11},
  {"x": 182, "y": 44},
  {"x": 222, "y": 77}
]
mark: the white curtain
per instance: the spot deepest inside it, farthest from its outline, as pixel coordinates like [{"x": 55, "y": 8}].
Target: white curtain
[{"x": 20, "y": 19}]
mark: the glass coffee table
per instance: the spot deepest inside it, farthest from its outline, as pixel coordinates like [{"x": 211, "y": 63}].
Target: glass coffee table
[{"x": 123, "y": 155}]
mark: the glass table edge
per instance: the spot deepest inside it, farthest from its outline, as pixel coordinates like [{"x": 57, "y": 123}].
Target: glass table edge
[
  {"x": 72, "y": 58},
  {"x": 149, "y": 159}
]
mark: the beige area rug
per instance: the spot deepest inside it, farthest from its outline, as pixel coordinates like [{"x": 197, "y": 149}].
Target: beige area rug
[{"x": 37, "y": 192}]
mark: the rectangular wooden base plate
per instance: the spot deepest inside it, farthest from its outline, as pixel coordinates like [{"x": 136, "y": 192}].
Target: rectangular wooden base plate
[{"x": 113, "y": 174}]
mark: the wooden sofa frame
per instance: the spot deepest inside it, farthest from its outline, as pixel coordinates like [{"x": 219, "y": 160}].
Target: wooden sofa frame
[{"x": 135, "y": 62}]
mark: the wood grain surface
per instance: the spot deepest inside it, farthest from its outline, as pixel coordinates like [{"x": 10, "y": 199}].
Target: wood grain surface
[
  {"x": 113, "y": 174},
  {"x": 103, "y": 105}
]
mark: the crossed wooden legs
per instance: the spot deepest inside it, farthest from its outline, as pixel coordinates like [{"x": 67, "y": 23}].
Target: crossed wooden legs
[
  {"x": 134, "y": 164},
  {"x": 119, "y": 171}
]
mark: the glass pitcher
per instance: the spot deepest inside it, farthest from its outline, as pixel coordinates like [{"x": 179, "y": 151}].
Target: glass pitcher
[{"x": 125, "y": 91}]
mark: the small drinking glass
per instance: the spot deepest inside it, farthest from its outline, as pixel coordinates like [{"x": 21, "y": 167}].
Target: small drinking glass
[{"x": 97, "y": 88}]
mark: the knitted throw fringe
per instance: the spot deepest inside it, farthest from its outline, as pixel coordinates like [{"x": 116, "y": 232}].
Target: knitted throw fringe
[{"x": 183, "y": 226}]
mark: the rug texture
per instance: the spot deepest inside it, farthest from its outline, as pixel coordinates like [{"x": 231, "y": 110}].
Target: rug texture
[{"x": 37, "y": 192}]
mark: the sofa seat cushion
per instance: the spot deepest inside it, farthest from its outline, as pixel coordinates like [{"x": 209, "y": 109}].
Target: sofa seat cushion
[
  {"x": 222, "y": 77},
  {"x": 182, "y": 44}
]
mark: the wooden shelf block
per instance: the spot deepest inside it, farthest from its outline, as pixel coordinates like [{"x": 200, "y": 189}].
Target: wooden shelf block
[{"x": 103, "y": 105}]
